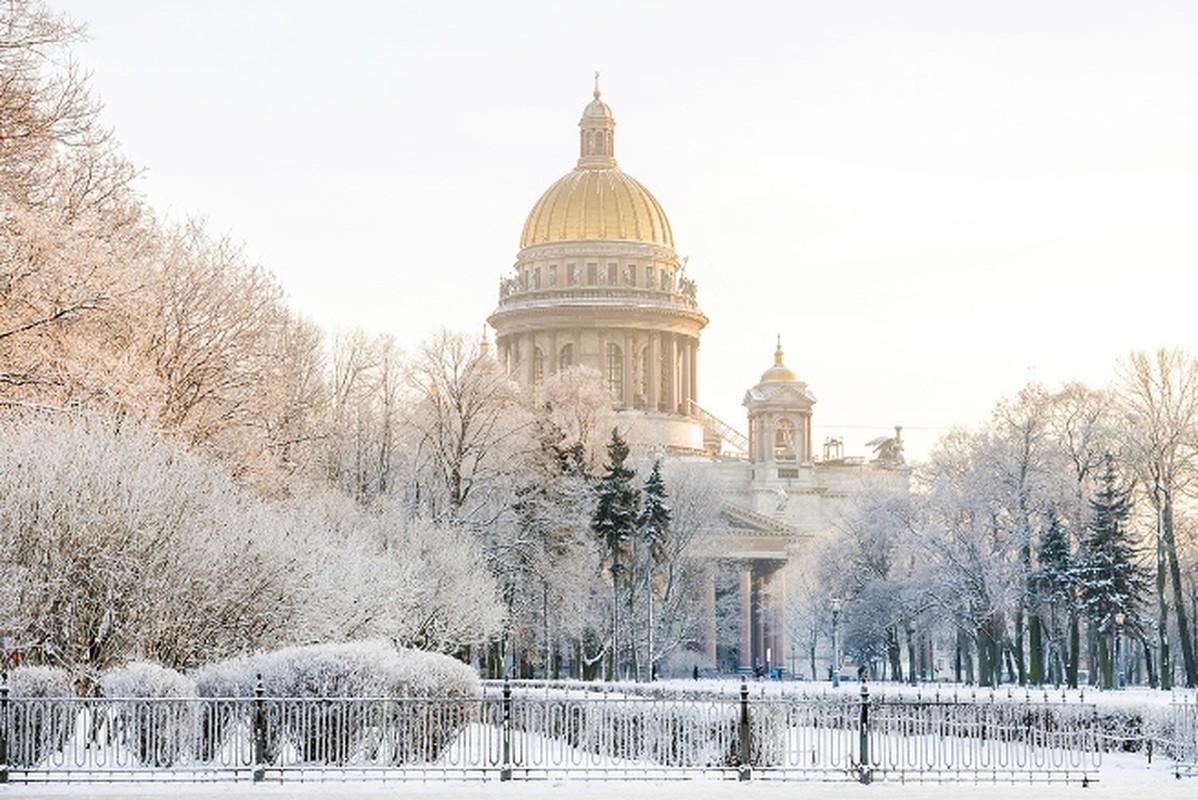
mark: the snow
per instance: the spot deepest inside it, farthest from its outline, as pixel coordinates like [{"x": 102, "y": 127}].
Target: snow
[{"x": 1122, "y": 776}]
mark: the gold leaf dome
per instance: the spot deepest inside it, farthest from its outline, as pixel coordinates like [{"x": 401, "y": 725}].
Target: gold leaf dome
[
  {"x": 597, "y": 204},
  {"x": 779, "y": 372},
  {"x": 597, "y": 200}
]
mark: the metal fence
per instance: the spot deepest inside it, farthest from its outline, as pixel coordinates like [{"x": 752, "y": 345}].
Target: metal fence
[
  {"x": 517, "y": 732},
  {"x": 1184, "y": 739}
]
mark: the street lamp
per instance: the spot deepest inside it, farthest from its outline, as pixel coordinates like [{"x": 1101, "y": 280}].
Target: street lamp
[
  {"x": 835, "y": 642},
  {"x": 1119, "y": 620}
]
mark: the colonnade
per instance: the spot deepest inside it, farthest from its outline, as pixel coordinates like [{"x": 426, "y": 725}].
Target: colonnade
[{"x": 650, "y": 370}]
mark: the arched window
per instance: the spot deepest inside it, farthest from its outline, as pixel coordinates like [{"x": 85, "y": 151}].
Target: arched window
[
  {"x": 565, "y": 357},
  {"x": 615, "y": 371},
  {"x": 538, "y": 366},
  {"x": 785, "y": 441}
]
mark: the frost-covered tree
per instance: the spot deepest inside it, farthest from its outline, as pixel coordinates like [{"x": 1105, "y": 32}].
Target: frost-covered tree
[
  {"x": 1159, "y": 399},
  {"x": 871, "y": 566},
  {"x": 1110, "y": 577},
  {"x": 546, "y": 561},
  {"x": 469, "y": 431},
  {"x": 121, "y": 546},
  {"x": 1054, "y": 586}
]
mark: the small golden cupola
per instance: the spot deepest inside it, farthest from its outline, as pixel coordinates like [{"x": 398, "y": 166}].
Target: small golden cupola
[{"x": 778, "y": 372}]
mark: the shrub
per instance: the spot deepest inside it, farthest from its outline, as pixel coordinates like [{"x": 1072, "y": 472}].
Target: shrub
[
  {"x": 145, "y": 713},
  {"x": 43, "y": 715},
  {"x": 429, "y": 695}
]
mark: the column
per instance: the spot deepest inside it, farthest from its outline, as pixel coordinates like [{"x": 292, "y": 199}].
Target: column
[
  {"x": 628, "y": 390},
  {"x": 687, "y": 396},
  {"x": 653, "y": 376},
  {"x": 671, "y": 345},
  {"x": 745, "y": 651},
  {"x": 807, "y": 425},
  {"x": 551, "y": 356},
  {"x": 694, "y": 359},
  {"x": 526, "y": 353}
]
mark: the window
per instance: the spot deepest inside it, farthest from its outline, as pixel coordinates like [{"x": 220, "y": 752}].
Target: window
[
  {"x": 615, "y": 371},
  {"x": 565, "y": 357},
  {"x": 573, "y": 268},
  {"x": 592, "y": 274},
  {"x": 649, "y": 277},
  {"x": 538, "y": 366},
  {"x": 785, "y": 439},
  {"x": 613, "y": 274},
  {"x": 630, "y": 275},
  {"x": 553, "y": 274},
  {"x": 536, "y": 278}
]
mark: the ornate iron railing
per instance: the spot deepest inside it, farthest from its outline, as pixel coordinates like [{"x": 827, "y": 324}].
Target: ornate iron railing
[{"x": 550, "y": 731}]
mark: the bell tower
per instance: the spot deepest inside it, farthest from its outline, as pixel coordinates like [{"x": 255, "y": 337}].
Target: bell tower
[{"x": 779, "y": 409}]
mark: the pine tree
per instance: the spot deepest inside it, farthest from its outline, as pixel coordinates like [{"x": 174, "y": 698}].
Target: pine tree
[
  {"x": 654, "y": 529},
  {"x": 654, "y": 521},
  {"x": 1111, "y": 578},
  {"x": 615, "y": 524},
  {"x": 1055, "y": 580}
]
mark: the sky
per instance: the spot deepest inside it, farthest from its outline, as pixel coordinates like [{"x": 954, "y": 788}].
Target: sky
[{"x": 933, "y": 202}]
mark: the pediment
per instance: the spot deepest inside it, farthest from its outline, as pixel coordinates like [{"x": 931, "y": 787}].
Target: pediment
[{"x": 788, "y": 395}]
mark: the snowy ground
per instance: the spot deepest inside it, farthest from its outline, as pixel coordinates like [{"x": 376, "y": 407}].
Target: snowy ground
[
  {"x": 1119, "y": 780},
  {"x": 1125, "y": 777}
]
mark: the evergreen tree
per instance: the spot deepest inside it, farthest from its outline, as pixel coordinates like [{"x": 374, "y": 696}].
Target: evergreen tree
[
  {"x": 615, "y": 524},
  {"x": 654, "y": 521},
  {"x": 1111, "y": 578},
  {"x": 1055, "y": 581},
  {"x": 654, "y": 529}
]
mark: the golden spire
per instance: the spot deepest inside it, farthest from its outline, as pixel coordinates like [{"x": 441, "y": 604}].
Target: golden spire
[
  {"x": 778, "y": 352},
  {"x": 596, "y": 84}
]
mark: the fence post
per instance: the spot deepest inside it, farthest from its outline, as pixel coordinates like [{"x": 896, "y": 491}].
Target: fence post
[
  {"x": 259, "y": 730},
  {"x": 505, "y": 769},
  {"x": 865, "y": 771},
  {"x": 4, "y": 727},
  {"x": 744, "y": 770}
]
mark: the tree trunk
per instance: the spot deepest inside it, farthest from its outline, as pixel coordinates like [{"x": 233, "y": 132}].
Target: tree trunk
[
  {"x": 1075, "y": 649},
  {"x": 912, "y": 670},
  {"x": 894, "y": 654},
  {"x": 1152, "y": 676},
  {"x": 1035, "y": 650},
  {"x": 1179, "y": 597}
]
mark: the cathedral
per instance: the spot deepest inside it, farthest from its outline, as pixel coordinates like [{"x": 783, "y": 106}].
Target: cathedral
[{"x": 597, "y": 282}]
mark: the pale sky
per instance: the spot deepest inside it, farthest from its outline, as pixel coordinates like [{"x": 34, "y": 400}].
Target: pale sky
[{"x": 933, "y": 203}]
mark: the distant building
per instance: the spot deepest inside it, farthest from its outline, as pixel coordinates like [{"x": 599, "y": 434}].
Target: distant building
[{"x": 597, "y": 282}]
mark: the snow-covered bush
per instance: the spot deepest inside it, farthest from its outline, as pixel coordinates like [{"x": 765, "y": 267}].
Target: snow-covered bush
[
  {"x": 40, "y": 723},
  {"x": 350, "y": 669},
  {"x": 432, "y": 691},
  {"x": 146, "y": 679},
  {"x": 157, "y": 732}
]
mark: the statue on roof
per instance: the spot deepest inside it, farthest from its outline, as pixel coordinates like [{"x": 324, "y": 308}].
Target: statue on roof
[{"x": 888, "y": 450}]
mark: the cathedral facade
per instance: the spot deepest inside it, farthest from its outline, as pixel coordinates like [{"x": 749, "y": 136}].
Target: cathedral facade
[{"x": 597, "y": 282}]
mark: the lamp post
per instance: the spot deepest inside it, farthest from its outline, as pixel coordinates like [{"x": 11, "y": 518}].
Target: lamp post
[
  {"x": 1119, "y": 620},
  {"x": 835, "y": 642}
]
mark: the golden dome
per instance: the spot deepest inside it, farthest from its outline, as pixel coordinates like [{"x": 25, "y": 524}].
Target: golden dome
[
  {"x": 778, "y": 372},
  {"x": 597, "y": 200},
  {"x": 597, "y": 204}
]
